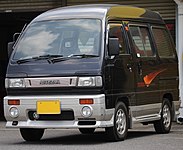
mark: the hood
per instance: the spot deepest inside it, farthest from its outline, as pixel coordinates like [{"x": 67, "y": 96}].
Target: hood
[{"x": 42, "y": 68}]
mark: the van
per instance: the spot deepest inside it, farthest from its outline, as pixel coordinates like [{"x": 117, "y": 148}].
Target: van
[{"x": 92, "y": 66}]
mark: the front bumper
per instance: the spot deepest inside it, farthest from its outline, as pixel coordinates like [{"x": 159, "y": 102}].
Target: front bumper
[{"x": 100, "y": 117}]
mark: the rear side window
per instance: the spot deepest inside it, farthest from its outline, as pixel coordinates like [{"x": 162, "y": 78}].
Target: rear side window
[
  {"x": 163, "y": 42},
  {"x": 141, "y": 38}
]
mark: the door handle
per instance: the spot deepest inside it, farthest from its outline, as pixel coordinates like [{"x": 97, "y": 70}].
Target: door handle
[
  {"x": 129, "y": 66},
  {"x": 139, "y": 66}
]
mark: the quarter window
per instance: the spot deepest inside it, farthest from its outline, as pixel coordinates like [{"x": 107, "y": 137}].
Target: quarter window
[
  {"x": 163, "y": 42},
  {"x": 141, "y": 40}
]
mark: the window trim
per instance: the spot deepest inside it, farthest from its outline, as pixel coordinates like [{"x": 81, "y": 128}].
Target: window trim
[
  {"x": 122, "y": 33},
  {"x": 173, "y": 48},
  {"x": 150, "y": 39}
]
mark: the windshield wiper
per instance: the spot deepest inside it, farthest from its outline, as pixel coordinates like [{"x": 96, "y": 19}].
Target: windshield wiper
[
  {"x": 72, "y": 56},
  {"x": 54, "y": 58},
  {"x": 41, "y": 57},
  {"x": 58, "y": 59},
  {"x": 83, "y": 55}
]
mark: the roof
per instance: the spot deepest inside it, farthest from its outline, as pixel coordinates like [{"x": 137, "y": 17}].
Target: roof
[
  {"x": 129, "y": 12},
  {"x": 100, "y": 11}
]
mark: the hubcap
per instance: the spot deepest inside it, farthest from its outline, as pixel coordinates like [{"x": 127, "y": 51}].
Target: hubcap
[
  {"x": 166, "y": 116},
  {"x": 120, "y": 121}
]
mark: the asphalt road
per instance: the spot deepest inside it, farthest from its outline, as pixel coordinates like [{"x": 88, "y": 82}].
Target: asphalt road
[{"x": 140, "y": 138}]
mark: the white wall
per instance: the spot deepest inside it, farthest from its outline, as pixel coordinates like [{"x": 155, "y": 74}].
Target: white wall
[{"x": 179, "y": 45}]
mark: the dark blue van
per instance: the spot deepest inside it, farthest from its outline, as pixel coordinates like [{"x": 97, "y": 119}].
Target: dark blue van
[{"x": 92, "y": 66}]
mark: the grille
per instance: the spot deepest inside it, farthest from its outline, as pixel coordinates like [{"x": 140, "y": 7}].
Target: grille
[{"x": 86, "y": 122}]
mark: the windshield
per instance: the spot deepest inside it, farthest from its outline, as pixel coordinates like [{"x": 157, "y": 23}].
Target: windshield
[{"x": 61, "y": 37}]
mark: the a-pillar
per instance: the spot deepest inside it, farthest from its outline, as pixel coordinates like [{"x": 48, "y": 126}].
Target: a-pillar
[{"x": 179, "y": 46}]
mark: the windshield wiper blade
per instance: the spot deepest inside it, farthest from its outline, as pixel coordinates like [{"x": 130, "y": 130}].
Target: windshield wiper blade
[
  {"x": 72, "y": 56},
  {"x": 20, "y": 61},
  {"x": 84, "y": 55},
  {"x": 54, "y": 58},
  {"x": 48, "y": 56},
  {"x": 58, "y": 59},
  {"x": 41, "y": 57}
]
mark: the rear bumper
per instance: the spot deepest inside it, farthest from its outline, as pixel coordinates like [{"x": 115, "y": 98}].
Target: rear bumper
[{"x": 100, "y": 117}]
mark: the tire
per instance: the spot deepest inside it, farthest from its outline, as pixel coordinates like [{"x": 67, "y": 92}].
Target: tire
[
  {"x": 163, "y": 125},
  {"x": 119, "y": 131},
  {"x": 31, "y": 134},
  {"x": 87, "y": 130}
]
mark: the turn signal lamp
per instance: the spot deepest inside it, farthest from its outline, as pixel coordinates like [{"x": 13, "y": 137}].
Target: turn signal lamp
[
  {"x": 14, "y": 102},
  {"x": 86, "y": 101}
]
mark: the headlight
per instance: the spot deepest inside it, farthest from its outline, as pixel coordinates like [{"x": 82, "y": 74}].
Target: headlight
[
  {"x": 14, "y": 83},
  {"x": 90, "y": 81}
]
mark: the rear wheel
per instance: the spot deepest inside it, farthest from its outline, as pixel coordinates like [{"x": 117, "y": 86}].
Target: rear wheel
[
  {"x": 164, "y": 124},
  {"x": 87, "y": 130},
  {"x": 31, "y": 134},
  {"x": 119, "y": 131}
]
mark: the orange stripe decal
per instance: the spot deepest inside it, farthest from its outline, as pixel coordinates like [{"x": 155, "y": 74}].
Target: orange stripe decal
[{"x": 150, "y": 77}]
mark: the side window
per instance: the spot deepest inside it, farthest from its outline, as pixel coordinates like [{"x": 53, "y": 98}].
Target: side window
[
  {"x": 163, "y": 42},
  {"x": 141, "y": 39},
  {"x": 116, "y": 31}
]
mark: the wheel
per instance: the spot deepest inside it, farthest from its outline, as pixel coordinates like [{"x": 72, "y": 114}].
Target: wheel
[
  {"x": 119, "y": 131},
  {"x": 31, "y": 134},
  {"x": 164, "y": 124},
  {"x": 87, "y": 130}
]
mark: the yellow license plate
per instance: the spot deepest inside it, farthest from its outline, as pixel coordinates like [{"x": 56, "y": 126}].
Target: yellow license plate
[{"x": 48, "y": 107}]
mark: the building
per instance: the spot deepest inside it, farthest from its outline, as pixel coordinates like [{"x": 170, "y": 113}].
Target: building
[{"x": 15, "y": 14}]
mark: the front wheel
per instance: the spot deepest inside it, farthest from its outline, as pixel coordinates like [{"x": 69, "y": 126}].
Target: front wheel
[
  {"x": 164, "y": 124},
  {"x": 30, "y": 134},
  {"x": 119, "y": 131}
]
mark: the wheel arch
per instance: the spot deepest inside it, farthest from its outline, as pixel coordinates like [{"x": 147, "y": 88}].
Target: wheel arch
[
  {"x": 125, "y": 100},
  {"x": 169, "y": 97},
  {"x": 163, "y": 125}
]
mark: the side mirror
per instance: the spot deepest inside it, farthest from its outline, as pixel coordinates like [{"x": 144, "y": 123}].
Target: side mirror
[
  {"x": 16, "y": 36},
  {"x": 10, "y": 48},
  {"x": 11, "y": 44},
  {"x": 113, "y": 46}
]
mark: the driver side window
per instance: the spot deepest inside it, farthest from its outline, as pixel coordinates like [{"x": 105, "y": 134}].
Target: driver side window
[{"x": 115, "y": 31}]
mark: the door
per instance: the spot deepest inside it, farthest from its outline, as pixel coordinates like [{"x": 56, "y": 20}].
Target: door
[
  {"x": 146, "y": 73},
  {"x": 120, "y": 67}
]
